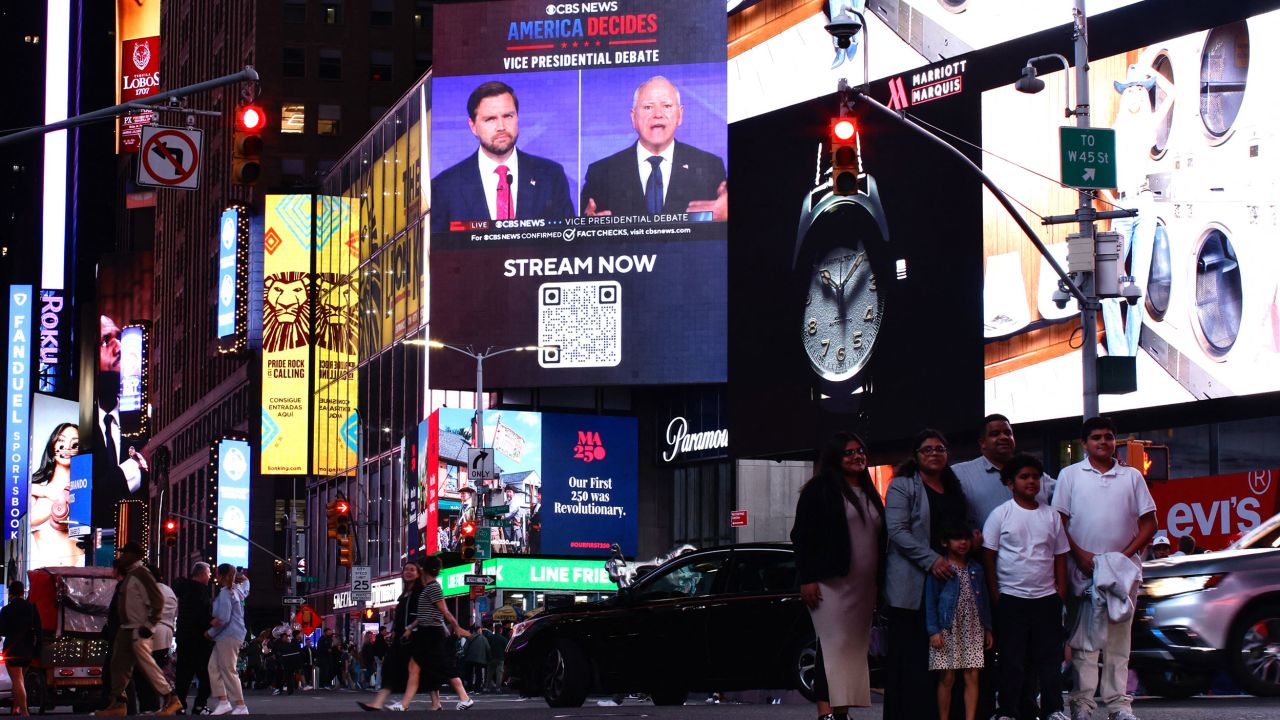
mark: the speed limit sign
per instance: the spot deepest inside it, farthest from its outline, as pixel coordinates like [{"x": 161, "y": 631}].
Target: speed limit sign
[{"x": 361, "y": 580}]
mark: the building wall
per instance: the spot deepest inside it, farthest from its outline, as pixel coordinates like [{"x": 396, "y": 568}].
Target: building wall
[{"x": 768, "y": 491}]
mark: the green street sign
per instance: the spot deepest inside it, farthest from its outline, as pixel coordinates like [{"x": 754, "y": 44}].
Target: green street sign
[
  {"x": 498, "y": 523},
  {"x": 496, "y": 511},
  {"x": 308, "y": 579},
  {"x": 1088, "y": 157},
  {"x": 484, "y": 550}
]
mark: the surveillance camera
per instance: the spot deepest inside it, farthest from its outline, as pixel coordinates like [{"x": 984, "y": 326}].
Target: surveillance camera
[
  {"x": 843, "y": 27},
  {"x": 1061, "y": 298}
]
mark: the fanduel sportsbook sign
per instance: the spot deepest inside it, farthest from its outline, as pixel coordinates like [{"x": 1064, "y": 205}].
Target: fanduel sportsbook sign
[{"x": 17, "y": 392}]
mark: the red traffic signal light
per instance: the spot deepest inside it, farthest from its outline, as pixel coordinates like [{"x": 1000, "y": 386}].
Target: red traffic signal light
[
  {"x": 468, "y": 529},
  {"x": 343, "y": 507},
  {"x": 246, "y": 145},
  {"x": 368, "y": 614},
  {"x": 844, "y": 156},
  {"x": 170, "y": 532},
  {"x": 250, "y": 118}
]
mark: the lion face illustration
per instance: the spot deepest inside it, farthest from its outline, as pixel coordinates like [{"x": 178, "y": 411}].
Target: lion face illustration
[
  {"x": 337, "y": 315},
  {"x": 286, "y": 311}
]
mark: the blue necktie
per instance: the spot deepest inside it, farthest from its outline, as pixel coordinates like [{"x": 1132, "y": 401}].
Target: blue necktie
[{"x": 653, "y": 188}]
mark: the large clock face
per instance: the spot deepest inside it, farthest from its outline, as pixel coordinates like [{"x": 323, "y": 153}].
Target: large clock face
[{"x": 842, "y": 313}]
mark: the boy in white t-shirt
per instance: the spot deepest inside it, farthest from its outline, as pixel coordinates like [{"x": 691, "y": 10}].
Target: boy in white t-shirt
[
  {"x": 1106, "y": 507},
  {"x": 1026, "y": 559}
]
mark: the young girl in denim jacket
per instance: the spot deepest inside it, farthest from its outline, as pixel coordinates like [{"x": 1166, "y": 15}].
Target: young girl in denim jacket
[{"x": 958, "y": 619}]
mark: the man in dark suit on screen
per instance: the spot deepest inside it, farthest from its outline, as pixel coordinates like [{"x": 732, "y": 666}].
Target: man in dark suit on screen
[
  {"x": 120, "y": 470},
  {"x": 657, "y": 174},
  {"x": 498, "y": 182}
]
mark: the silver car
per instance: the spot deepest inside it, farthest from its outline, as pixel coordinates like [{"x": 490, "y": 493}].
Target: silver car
[{"x": 1198, "y": 614}]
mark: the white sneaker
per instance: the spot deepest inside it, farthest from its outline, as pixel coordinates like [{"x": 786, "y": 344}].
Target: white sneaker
[
  {"x": 241, "y": 710},
  {"x": 223, "y": 708},
  {"x": 466, "y": 704},
  {"x": 607, "y": 703},
  {"x": 395, "y": 707},
  {"x": 1059, "y": 716},
  {"x": 1122, "y": 715}
]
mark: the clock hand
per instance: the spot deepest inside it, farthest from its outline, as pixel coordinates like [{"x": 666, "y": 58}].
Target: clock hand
[{"x": 856, "y": 262}]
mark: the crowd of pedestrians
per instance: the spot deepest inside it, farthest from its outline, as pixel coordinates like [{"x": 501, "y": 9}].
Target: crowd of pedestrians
[{"x": 986, "y": 555}]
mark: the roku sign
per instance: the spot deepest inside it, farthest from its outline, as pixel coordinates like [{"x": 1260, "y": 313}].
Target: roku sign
[{"x": 51, "y": 304}]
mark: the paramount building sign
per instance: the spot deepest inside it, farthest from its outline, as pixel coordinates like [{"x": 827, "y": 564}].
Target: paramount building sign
[{"x": 709, "y": 443}]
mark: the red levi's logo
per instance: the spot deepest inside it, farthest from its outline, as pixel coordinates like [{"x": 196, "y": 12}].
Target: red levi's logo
[{"x": 589, "y": 447}]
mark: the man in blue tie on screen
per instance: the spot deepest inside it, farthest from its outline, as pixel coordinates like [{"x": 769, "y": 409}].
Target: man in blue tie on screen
[
  {"x": 658, "y": 174},
  {"x": 498, "y": 182}
]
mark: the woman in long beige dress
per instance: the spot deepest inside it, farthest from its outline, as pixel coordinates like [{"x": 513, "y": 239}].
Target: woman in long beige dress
[{"x": 839, "y": 541}]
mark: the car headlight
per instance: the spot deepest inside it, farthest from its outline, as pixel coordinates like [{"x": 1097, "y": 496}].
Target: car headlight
[{"x": 1159, "y": 588}]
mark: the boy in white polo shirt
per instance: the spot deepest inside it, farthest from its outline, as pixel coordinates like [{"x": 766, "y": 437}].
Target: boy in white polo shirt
[
  {"x": 1026, "y": 559},
  {"x": 1106, "y": 508}
]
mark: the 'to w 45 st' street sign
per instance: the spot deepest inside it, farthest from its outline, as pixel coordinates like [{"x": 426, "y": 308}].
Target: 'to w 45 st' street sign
[{"x": 1088, "y": 157}]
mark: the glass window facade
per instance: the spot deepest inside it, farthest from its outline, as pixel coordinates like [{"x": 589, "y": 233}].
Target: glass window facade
[{"x": 372, "y": 207}]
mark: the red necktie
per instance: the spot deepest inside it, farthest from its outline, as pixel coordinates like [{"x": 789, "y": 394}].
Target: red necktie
[{"x": 505, "y": 210}]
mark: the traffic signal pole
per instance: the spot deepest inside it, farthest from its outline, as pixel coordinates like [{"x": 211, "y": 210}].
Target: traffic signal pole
[
  {"x": 248, "y": 74},
  {"x": 229, "y": 531},
  {"x": 1090, "y": 306}
]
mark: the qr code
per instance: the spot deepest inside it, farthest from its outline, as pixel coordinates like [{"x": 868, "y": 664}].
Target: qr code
[{"x": 580, "y": 324}]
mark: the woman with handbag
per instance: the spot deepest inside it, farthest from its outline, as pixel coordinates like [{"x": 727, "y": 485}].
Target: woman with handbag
[
  {"x": 839, "y": 540},
  {"x": 399, "y": 670}
]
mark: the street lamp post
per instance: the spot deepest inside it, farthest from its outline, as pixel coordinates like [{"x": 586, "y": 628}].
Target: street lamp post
[{"x": 478, "y": 436}]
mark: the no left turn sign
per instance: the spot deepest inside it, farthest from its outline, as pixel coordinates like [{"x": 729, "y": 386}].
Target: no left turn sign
[{"x": 170, "y": 157}]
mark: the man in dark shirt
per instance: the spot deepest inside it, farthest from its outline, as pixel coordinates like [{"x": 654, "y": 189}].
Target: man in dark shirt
[{"x": 195, "y": 610}]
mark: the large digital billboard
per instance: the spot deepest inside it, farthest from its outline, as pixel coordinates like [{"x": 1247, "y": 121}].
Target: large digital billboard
[
  {"x": 233, "y": 280},
  {"x": 286, "y": 334},
  {"x": 337, "y": 336},
  {"x": 1194, "y": 119},
  {"x": 568, "y": 482},
  {"x": 59, "y": 477},
  {"x": 119, "y": 421},
  {"x": 234, "y": 471},
  {"x": 137, "y": 66},
  {"x": 579, "y": 191},
  {"x": 17, "y": 410}
]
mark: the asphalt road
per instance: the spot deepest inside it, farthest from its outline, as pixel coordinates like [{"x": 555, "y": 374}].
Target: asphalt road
[{"x": 342, "y": 704}]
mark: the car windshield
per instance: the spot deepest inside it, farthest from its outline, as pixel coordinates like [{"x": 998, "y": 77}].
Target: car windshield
[{"x": 1265, "y": 536}]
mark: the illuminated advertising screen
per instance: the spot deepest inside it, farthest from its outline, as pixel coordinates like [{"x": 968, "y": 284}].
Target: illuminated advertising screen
[
  {"x": 54, "y": 519},
  {"x": 17, "y": 401},
  {"x": 133, "y": 350},
  {"x": 1215, "y": 510},
  {"x": 424, "y": 528},
  {"x": 233, "y": 281},
  {"x": 1193, "y": 119},
  {"x": 579, "y": 192},
  {"x": 514, "y": 573},
  {"x": 234, "y": 469},
  {"x": 119, "y": 426},
  {"x": 137, "y": 66},
  {"x": 337, "y": 338},
  {"x": 286, "y": 334},
  {"x": 569, "y": 482}
]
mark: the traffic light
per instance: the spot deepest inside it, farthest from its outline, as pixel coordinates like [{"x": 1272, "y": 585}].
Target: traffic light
[
  {"x": 368, "y": 614},
  {"x": 468, "y": 531},
  {"x": 280, "y": 574},
  {"x": 1156, "y": 467},
  {"x": 246, "y": 145},
  {"x": 342, "y": 528},
  {"x": 844, "y": 156},
  {"x": 331, "y": 515},
  {"x": 170, "y": 532}
]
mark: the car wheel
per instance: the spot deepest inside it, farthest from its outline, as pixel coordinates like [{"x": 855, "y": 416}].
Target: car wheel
[
  {"x": 670, "y": 696},
  {"x": 1175, "y": 684},
  {"x": 803, "y": 667},
  {"x": 566, "y": 675},
  {"x": 36, "y": 696},
  {"x": 1253, "y": 651}
]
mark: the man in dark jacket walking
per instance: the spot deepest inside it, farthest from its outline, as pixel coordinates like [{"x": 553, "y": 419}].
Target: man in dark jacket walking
[{"x": 195, "y": 610}]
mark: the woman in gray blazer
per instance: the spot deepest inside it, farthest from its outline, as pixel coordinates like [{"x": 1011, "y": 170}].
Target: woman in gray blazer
[{"x": 923, "y": 496}]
